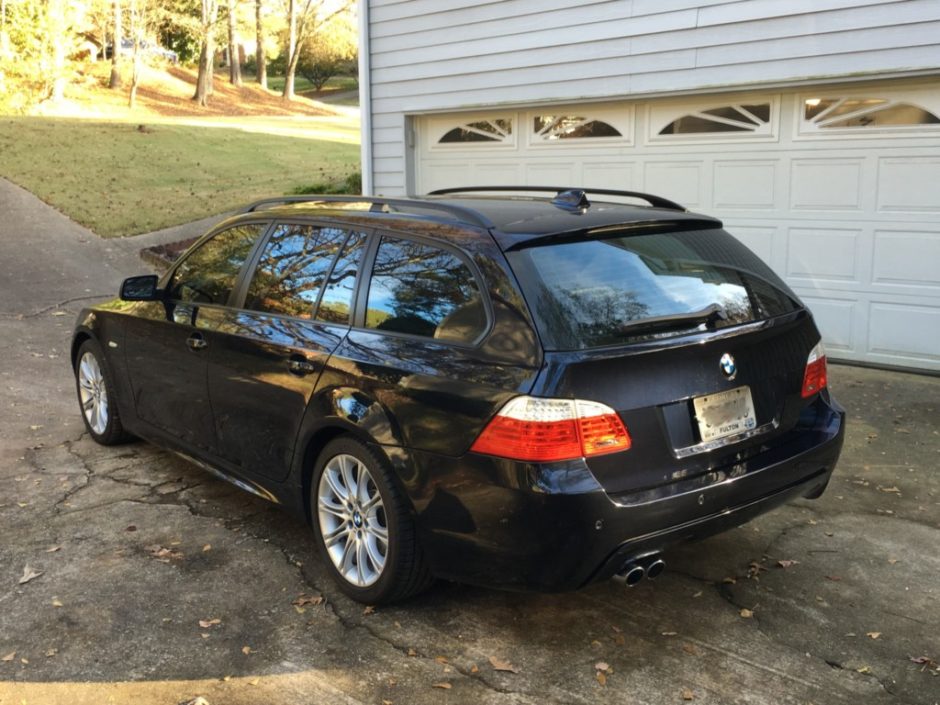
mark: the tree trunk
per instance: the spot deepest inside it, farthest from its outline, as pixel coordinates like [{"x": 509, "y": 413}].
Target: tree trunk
[
  {"x": 292, "y": 53},
  {"x": 206, "y": 53},
  {"x": 261, "y": 64},
  {"x": 115, "y": 81},
  {"x": 58, "y": 9},
  {"x": 135, "y": 71},
  {"x": 234, "y": 60}
]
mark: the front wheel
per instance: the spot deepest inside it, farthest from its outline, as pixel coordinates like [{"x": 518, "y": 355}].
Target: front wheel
[
  {"x": 95, "y": 394},
  {"x": 363, "y": 526}
]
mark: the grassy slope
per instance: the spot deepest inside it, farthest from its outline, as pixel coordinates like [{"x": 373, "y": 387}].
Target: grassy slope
[{"x": 118, "y": 180}]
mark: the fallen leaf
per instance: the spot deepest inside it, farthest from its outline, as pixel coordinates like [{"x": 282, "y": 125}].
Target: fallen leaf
[
  {"x": 500, "y": 665},
  {"x": 9, "y": 657},
  {"x": 786, "y": 563},
  {"x": 690, "y": 649},
  {"x": 246, "y": 650},
  {"x": 474, "y": 669},
  {"x": 162, "y": 554},
  {"x": 304, "y": 599},
  {"x": 206, "y": 623},
  {"x": 387, "y": 702},
  {"x": 51, "y": 652},
  {"x": 891, "y": 490},
  {"x": 24, "y": 661},
  {"x": 619, "y": 640},
  {"x": 29, "y": 574},
  {"x": 369, "y": 609},
  {"x": 207, "y": 547},
  {"x": 670, "y": 633},
  {"x": 441, "y": 660},
  {"x": 254, "y": 681},
  {"x": 442, "y": 686},
  {"x": 873, "y": 635},
  {"x": 602, "y": 666},
  {"x": 729, "y": 581},
  {"x": 863, "y": 670},
  {"x": 595, "y": 642},
  {"x": 131, "y": 528},
  {"x": 687, "y": 694},
  {"x": 412, "y": 652},
  {"x": 35, "y": 427},
  {"x": 833, "y": 578},
  {"x": 892, "y": 561},
  {"x": 601, "y": 677},
  {"x": 56, "y": 602},
  {"x": 697, "y": 594},
  {"x": 53, "y": 549},
  {"x": 746, "y": 613},
  {"x": 198, "y": 700}
]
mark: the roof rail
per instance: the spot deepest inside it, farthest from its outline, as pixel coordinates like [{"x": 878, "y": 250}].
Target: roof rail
[
  {"x": 655, "y": 201},
  {"x": 378, "y": 205}
]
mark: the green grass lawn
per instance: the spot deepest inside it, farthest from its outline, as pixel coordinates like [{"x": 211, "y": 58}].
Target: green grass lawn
[
  {"x": 118, "y": 180},
  {"x": 301, "y": 84}
]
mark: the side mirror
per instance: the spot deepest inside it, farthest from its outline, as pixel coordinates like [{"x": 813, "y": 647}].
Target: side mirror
[{"x": 142, "y": 288}]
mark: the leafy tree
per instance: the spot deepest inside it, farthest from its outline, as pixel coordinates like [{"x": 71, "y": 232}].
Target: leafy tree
[
  {"x": 306, "y": 19},
  {"x": 330, "y": 51}
]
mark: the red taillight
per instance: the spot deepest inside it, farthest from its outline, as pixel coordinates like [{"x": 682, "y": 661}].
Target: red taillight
[
  {"x": 548, "y": 430},
  {"x": 815, "y": 376}
]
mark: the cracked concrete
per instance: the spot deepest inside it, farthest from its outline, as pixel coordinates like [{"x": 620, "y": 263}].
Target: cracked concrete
[{"x": 136, "y": 547}]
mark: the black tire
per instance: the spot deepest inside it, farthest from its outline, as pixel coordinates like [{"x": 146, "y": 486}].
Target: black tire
[
  {"x": 405, "y": 571},
  {"x": 112, "y": 432}
]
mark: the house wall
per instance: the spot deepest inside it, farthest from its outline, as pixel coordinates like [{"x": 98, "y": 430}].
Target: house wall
[{"x": 447, "y": 55}]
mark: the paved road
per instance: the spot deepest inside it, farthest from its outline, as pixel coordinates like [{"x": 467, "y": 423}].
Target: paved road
[{"x": 135, "y": 548}]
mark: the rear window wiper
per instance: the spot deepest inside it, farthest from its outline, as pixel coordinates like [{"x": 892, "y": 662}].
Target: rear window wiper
[{"x": 709, "y": 315}]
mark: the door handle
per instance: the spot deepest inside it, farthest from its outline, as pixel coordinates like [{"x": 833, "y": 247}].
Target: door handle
[
  {"x": 196, "y": 342},
  {"x": 300, "y": 366}
]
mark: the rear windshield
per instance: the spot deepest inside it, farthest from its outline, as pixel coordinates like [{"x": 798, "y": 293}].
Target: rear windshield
[{"x": 620, "y": 289}]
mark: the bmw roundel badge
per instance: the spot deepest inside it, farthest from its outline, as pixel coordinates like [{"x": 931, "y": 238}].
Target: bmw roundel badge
[{"x": 727, "y": 366}]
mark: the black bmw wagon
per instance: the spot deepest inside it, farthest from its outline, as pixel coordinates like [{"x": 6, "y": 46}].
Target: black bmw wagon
[{"x": 536, "y": 389}]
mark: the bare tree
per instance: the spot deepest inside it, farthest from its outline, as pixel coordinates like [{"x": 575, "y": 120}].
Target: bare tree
[
  {"x": 261, "y": 64},
  {"x": 209, "y": 17},
  {"x": 234, "y": 59},
  {"x": 304, "y": 19},
  {"x": 117, "y": 33}
]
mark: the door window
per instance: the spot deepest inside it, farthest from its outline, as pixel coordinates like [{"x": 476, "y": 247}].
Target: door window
[
  {"x": 293, "y": 268},
  {"x": 336, "y": 301},
  {"x": 423, "y": 290},
  {"x": 208, "y": 274}
]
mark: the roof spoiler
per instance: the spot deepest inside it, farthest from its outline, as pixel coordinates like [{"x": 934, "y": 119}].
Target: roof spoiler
[{"x": 567, "y": 197}]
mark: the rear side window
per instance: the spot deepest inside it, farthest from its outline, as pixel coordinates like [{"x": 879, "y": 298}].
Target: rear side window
[
  {"x": 423, "y": 290},
  {"x": 604, "y": 292},
  {"x": 208, "y": 274},
  {"x": 292, "y": 269}
]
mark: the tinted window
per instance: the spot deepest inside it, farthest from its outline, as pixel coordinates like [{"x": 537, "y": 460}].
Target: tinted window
[
  {"x": 208, "y": 274},
  {"x": 336, "y": 301},
  {"x": 596, "y": 292},
  {"x": 292, "y": 269},
  {"x": 423, "y": 290}
]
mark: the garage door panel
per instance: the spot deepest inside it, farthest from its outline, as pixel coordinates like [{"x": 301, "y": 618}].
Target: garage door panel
[
  {"x": 907, "y": 259},
  {"x": 494, "y": 174},
  {"x": 831, "y": 184},
  {"x": 909, "y": 184},
  {"x": 679, "y": 181},
  {"x": 745, "y": 184},
  {"x": 823, "y": 255},
  {"x": 616, "y": 175},
  {"x": 553, "y": 173},
  {"x": 908, "y": 331}
]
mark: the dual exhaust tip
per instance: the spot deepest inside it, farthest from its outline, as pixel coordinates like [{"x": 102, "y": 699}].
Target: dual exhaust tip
[{"x": 635, "y": 569}]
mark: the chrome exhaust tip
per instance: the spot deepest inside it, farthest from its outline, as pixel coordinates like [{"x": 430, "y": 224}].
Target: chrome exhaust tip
[
  {"x": 655, "y": 568},
  {"x": 630, "y": 574}
]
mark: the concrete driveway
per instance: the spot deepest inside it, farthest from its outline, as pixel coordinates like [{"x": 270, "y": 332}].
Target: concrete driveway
[{"x": 155, "y": 583}]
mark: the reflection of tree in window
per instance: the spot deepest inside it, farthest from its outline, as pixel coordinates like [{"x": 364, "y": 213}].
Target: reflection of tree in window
[
  {"x": 208, "y": 274},
  {"x": 338, "y": 291},
  {"x": 292, "y": 268},
  {"x": 425, "y": 291}
]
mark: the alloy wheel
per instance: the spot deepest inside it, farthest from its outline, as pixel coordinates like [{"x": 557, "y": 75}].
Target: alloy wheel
[{"x": 93, "y": 393}]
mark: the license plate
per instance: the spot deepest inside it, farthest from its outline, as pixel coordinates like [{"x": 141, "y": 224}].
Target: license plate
[{"x": 724, "y": 413}]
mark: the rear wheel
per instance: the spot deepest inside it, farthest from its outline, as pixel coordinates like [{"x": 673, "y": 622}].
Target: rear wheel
[
  {"x": 363, "y": 526},
  {"x": 99, "y": 408}
]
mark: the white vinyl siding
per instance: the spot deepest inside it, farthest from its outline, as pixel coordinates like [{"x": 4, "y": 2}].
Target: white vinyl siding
[{"x": 448, "y": 55}]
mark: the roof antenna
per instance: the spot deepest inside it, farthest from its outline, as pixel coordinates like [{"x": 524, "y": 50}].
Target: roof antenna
[{"x": 572, "y": 200}]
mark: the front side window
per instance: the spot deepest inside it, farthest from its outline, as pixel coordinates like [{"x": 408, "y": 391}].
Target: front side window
[
  {"x": 336, "y": 302},
  {"x": 423, "y": 290},
  {"x": 208, "y": 274},
  {"x": 292, "y": 269}
]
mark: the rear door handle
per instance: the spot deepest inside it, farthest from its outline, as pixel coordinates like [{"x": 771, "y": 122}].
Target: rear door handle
[
  {"x": 300, "y": 366},
  {"x": 196, "y": 342}
]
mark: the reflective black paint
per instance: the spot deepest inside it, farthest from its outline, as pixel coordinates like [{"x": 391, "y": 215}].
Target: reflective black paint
[{"x": 266, "y": 392}]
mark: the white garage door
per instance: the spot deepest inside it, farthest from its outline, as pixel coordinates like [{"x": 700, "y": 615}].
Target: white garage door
[{"x": 838, "y": 189}]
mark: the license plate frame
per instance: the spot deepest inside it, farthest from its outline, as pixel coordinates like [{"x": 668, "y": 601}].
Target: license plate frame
[{"x": 723, "y": 414}]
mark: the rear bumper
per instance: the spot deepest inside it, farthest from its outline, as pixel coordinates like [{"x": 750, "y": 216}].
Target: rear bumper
[{"x": 515, "y": 525}]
